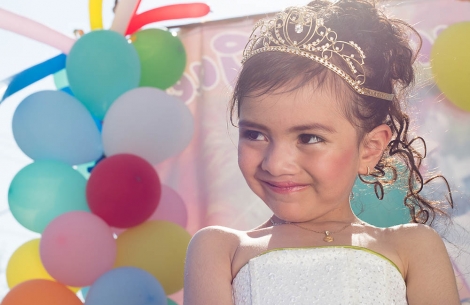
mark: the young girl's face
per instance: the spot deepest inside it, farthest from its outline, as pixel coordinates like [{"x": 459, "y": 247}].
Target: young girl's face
[{"x": 299, "y": 153}]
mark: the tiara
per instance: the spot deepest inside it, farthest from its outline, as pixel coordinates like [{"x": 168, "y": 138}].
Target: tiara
[{"x": 313, "y": 40}]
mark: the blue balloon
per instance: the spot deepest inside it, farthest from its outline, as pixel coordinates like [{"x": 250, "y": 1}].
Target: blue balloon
[
  {"x": 43, "y": 190},
  {"x": 124, "y": 286},
  {"x": 52, "y": 125},
  {"x": 387, "y": 212},
  {"x": 101, "y": 66}
]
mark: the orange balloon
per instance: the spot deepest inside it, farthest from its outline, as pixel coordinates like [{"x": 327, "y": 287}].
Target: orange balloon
[{"x": 41, "y": 292}]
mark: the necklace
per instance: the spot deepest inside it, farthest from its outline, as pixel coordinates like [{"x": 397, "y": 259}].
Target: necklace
[{"x": 327, "y": 238}]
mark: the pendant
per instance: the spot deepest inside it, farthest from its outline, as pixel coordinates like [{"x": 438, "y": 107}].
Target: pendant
[{"x": 328, "y": 238}]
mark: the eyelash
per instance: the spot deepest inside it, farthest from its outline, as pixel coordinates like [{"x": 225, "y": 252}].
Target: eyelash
[
  {"x": 248, "y": 134},
  {"x": 252, "y": 135},
  {"x": 309, "y": 137}
]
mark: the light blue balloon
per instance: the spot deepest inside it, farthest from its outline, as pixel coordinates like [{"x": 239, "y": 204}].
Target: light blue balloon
[
  {"x": 171, "y": 302},
  {"x": 124, "y": 286},
  {"x": 52, "y": 125},
  {"x": 387, "y": 212},
  {"x": 43, "y": 190},
  {"x": 101, "y": 66}
]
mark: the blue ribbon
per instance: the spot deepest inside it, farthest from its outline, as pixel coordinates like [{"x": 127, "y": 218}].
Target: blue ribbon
[{"x": 31, "y": 75}]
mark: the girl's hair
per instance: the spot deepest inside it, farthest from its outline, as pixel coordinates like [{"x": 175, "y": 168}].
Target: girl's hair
[{"x": 388, "y": 68}]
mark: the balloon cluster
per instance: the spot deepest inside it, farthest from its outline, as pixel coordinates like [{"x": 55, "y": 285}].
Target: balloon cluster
[{"x": 116, "y": 229}]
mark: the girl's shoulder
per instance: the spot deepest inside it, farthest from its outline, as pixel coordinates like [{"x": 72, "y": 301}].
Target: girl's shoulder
[
  {"x": 216, "y": 240},
  {"x": 411, "y": 235},
  {"x": 428, "y": 269},
  {"x": 416, "y": 244},
  {"x": 208, "y": 272}
]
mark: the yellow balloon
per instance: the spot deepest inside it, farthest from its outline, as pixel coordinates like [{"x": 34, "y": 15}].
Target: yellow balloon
[
  {"x": 450, "y": 62},
  {"x": 158, "y": 247},
  {"x": 25, "y": 264}
]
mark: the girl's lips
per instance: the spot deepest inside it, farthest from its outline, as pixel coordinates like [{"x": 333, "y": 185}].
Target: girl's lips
[{"x": 284, "y": 187}]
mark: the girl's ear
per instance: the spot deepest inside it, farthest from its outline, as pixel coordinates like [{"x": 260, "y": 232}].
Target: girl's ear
[{"x": 373, "y": 146}]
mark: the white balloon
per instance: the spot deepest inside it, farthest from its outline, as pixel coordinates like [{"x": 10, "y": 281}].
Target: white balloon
[{"x": 148, "y": 123}]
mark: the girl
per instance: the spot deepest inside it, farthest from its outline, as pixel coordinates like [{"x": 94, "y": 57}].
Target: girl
[{"x": 319, "y": 103}]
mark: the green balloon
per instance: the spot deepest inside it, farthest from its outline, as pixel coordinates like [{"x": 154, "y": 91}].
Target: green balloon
[
  {"x": 162, "y": 57},
  {"x": 101, "y": 66},
  {"x": 389, "y": 211},
  {"x": 43, "y": 190}
]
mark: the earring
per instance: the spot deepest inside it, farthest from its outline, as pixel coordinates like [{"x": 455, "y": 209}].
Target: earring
[{"x": 368, "y": 171}]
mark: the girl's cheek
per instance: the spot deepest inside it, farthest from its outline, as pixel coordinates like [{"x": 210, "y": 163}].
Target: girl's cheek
[
  {"x": 250, "y": 156},
  {"x": 335, "y": 165},
  {"x": 245, "y": 157}
]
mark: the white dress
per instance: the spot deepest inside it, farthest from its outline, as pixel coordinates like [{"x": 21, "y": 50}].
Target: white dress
[{"x": 327, "y": 275}]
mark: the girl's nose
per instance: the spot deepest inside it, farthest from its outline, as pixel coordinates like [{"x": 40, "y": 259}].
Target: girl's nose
[{"x": 279, "y": 160}]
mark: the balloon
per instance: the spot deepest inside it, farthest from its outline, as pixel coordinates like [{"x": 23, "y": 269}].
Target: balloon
[
  {"x": 148, "y": 123},
  {"x": 101, "y": 66},
  {"x": 124, "y": 190},
  {"x": 159, "y": 247},
  {"x": 95, "y": 8},
  {"x": 125, "y": 286},
  {"x": 43, "y": 190},
  {"x": 169, "y": 12},
  {"x": 162, "y": 57},
  {"x": 77, "y": 247},
  {"x": 450, "y": 62},
  {"x": 171, "y": 302},
  {"x": 41, "y": 292},
  {"x": 53, "y": 125},
  {"x": 125, "y": 10},
  {"x": 381, "y": 213},
  {"x": 34, "y": 30},
  {"x": 32, "y": 75},
  {"x": 60, "y": 79},
  {"x": 25, "y": 264},
  {"x": 171, "y": 208}
]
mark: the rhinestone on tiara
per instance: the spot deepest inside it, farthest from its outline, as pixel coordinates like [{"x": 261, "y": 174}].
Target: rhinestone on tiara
[{"x": 313, "y": 40}]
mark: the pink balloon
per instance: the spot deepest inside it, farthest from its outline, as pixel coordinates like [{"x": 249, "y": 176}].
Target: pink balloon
[
  {"x": 77, "y": 247},
  {"x": 171, "y": 208}
]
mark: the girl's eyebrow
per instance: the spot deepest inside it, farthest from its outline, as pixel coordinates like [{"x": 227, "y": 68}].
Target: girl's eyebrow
[
  {"x": 298, "y": 128},
  {"x": 249, "y": 124},
  {"x": 313, "y": 126}
]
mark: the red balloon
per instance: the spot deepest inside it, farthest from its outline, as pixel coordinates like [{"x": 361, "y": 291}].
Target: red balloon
[
  {"x": 124, "y": 190},
  {"x": 169, "y": 12}
]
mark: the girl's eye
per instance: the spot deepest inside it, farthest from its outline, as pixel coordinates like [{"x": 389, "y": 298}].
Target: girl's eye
[
  {"x": 309, "y": 139},
  {"x": 253, "y": 135}
]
